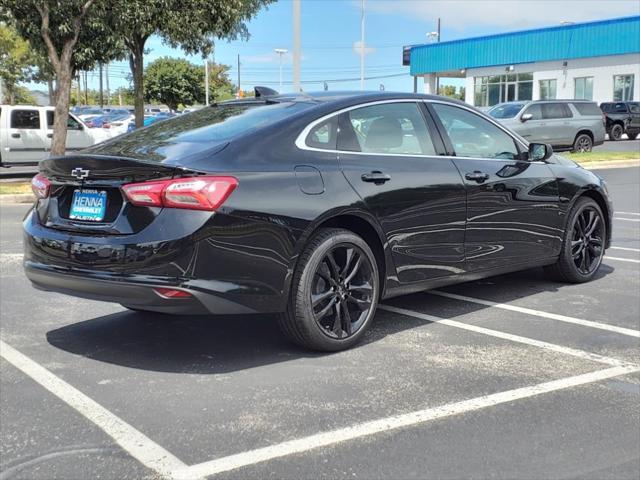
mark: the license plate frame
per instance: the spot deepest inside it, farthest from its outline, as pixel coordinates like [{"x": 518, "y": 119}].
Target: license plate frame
[{"x": 88, "y": 205}]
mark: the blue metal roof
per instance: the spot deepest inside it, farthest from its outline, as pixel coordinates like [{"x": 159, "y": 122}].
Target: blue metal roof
[{"x": 606, "y": 37}]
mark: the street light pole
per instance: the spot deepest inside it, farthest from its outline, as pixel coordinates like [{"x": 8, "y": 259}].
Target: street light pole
[
  {"x": 206, "y": 81},
  {"x": 281, "y": 52},
  {"x": 362, "y": 45}
]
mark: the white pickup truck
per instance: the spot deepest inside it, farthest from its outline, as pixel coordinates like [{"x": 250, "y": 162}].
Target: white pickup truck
[{"x": 26, "y": 133}]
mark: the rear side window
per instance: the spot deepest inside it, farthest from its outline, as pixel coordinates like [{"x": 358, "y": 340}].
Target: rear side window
[
  {"x": 620, "y": 108},
  {"x": 393, "y": 128},
  {"x": 324, "y": 135},
  {"x": 555, "y": 110},
  {"x": 587, "y": 108},
  {"x": 474, "y": 136},
  {"x": 72, "y": 123},
  {"x": 28, "y": 119},
  {"x": 606, "y": 107}
]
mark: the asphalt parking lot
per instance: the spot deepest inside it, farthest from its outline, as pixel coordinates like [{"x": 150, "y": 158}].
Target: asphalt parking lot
[{"x": 509, "y": 377}]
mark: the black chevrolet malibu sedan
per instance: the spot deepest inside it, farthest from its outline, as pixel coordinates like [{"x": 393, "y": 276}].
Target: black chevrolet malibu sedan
[{"x": 315, "y": 207}]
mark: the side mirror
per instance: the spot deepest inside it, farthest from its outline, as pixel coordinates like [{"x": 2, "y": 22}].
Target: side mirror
[
  {"x": 525, "y": 117},
  {"x": 539, "y": 152}
]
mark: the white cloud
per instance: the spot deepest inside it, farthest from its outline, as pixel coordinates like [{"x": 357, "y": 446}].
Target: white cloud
[
  {"x": 357, "y": 47},
  {"x": 504, "y": 15}
]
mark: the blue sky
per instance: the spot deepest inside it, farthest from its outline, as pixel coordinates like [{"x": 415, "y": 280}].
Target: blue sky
[{"x": 331, "y": 27}]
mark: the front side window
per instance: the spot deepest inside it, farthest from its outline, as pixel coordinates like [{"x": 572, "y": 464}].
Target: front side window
[
  {"x": 27, "y": 119},
  {"x": 473, "y": 136},
  {"x": 634, "y": 107},
  {"x": 548, "y": 89},
  {"x": 72, "y": 123},
  {"x": 619, "y": 108},
  {"x": 583, "y": 88},
  {"x": 392, "y": 128},
  {"x": 622, "y": 88}
]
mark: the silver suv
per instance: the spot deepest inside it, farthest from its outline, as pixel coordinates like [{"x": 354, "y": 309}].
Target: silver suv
[{"x": 575, "y": 125}]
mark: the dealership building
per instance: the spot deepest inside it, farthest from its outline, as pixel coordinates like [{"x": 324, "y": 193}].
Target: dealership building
[{"x": 597, "y": 61}]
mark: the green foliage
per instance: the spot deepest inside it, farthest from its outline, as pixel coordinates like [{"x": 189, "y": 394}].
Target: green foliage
[
  {"x": 22, "y": 96},
  {"x": 451, "y": 92},
  {"x": 173, "y": 81},
  {"x": 16, "y": 62}
]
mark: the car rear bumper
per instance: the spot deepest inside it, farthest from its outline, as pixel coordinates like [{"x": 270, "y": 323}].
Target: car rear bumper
[{"x": 134, "y": 293}]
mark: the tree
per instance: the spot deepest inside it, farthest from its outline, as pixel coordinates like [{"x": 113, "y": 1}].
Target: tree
[
  {"x": 189, "y": 24},
  {"x": 16, "y": 62},
  {"x": 447, "y": 91},
  {"x": 173, "y": 81},
  {"x": 220, "y": 85},
  {"x": 73, "y": 35}
]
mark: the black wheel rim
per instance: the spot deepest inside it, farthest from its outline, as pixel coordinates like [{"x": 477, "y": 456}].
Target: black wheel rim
[
  {"x": 342, "y": 292},
  {"x": 617, "y": 132},
  {"x": 584, "y": 144},
  {"x": 587, "y": 242}
]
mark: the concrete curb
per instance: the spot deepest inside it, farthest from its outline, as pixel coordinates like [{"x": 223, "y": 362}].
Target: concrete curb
[
  {"x": 17, "y": 198},
  {"x": 610, "y": 164}
]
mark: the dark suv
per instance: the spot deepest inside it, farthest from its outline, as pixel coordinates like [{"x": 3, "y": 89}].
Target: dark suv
[{"x": 622, "y": 117}]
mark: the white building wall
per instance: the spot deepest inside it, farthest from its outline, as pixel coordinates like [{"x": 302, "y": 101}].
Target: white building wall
[{"x": 602, "y": 69}]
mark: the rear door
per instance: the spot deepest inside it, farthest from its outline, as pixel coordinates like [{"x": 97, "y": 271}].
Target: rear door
[
  {"x": 388, "y": 152},
  {"x": 513, "y": 212},
  {"x": 559, "y": 126},
  {"x": 26, "y": 135},
  {"x": 634, "y": 113}
]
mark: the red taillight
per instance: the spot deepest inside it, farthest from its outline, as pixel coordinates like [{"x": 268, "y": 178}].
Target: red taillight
[
  {"x": 172, "y": 293},
  {"x": 194, "y": 193},
  {"x": 106, "y": 125},
  {"x": 40, "y": 186}
]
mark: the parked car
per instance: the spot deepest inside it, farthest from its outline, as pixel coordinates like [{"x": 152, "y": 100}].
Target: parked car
[
  {"x": 116, "y": 122},
  {"x": 576, "y": 125},
  {"x": 622, "y": 117},
  {"x": 26, "y": 133},
  {"x": 281, "y": 205},
  {"x": 87, "y": 113}
]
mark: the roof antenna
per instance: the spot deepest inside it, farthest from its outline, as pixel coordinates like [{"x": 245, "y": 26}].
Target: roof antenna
[{"x": 264, "y": 92}]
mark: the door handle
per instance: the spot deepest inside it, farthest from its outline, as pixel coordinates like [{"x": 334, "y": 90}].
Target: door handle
[
  {"x": 15, "y": 135},
  {"x": 375, "y": 177},
  {"x": 477, "y": 176},
  {"x": 49, "y": 135}
]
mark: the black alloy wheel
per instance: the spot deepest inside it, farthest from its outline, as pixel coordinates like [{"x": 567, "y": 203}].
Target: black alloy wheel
[
  {"x": 583, "y": 143},
  {"x": 587, "y": 242},
  {"x": 583, "y": 245},
  {"x": 616, "y": 132},
  {"x": 334, "y": 292},
  {"x": 342, "y": 291}
]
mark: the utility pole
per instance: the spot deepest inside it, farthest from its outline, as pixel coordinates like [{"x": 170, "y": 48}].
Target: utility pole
[
  {"x": 239, "y": 88},
  {"x": 101, "y": 91},
  {"x": 362, "y": 45},
  {"x": 280, "y": 52},
  {"x": 79, "y": 91},
  {"x": 438, "y": 76},
  {"x": 206, "y": 81},
  {"x": 86, "y": 89},
  {"x": 296, "y": 45},
  {"x": 106, "y": 70}
]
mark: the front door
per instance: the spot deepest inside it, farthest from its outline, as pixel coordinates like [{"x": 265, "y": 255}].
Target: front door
[
  {"x": 387, "y": 154},
  {"x": 77, "y": 135},
  {"x": 513, "y": 212}
]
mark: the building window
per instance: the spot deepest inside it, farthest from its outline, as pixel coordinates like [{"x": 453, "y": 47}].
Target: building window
[
  {"x": 548, "y": 89},
  {"x": 622, "y": 88},
  {"x": 583, "y": 88},
  {"x": 489, "y": 91}
]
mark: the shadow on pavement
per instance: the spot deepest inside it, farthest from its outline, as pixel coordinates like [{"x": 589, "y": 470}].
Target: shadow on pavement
[{"x": 222, "y": 344}]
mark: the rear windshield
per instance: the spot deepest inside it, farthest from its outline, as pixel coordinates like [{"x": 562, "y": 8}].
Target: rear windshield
[
  {"x": 506, "y": 111},
  {"x": 218, "y": 123},
  {"x": 587, "y": 108}
]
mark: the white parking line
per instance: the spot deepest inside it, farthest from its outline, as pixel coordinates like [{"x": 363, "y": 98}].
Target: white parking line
[
  {"x": 629, "y": 213},
  {"x": 618, "y": 259},
  {"x": 627, "y": 219},
  {"x": 330, "y": 438},
  {"x": 627, "y": 249},
  {"x": 594, "y": 357},
  {"x": 539, "y": 313},
  {"x": 134, "y": 442}
]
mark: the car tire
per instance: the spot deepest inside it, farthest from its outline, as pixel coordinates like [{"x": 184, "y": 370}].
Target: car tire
[
  {"x": 582, "y": 250},
  {"x": 632, "y": 136},
  {"x": 583, "y": 143},
  {"x": 616, "y": 132},
  {"x": 334, "y": 293}
]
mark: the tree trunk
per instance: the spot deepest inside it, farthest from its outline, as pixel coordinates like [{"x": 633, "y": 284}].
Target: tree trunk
[
  {"x": 137, "y": 69},
  {"x": 52, "y": 98},
  {"x": 61, "y": 116}
]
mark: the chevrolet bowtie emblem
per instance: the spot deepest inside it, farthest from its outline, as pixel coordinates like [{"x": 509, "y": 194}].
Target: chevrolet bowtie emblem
[{"x": 79, "y": 173}]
